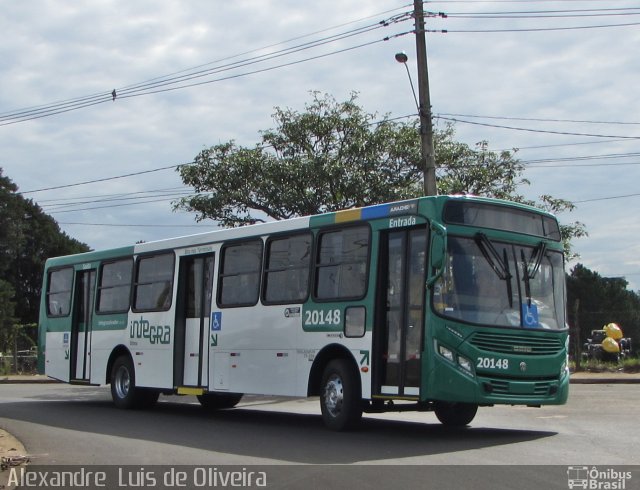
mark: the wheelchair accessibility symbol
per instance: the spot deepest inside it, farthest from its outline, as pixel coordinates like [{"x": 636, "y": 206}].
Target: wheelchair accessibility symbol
[
  {"x": 216, "y": 320},
  {"x": 530, "y": 315}
]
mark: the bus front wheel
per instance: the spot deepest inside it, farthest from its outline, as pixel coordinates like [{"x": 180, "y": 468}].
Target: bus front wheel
[
  {"x": 340, "y": 400},
  {"x": 455, "y": 414},
  {"x": 124, "y": 392}
]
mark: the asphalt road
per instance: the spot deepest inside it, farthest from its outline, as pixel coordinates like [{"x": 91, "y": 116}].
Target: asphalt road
[{"x": 70, "y": 425}]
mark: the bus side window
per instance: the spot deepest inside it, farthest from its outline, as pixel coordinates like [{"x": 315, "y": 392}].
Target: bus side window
[
  {"x": 239, "y": 277},
  {"x": 341, "y": 265},
  {"x": 286, "y": 276},
  {"x": 154, "y": 283},
  {"x": 114, "y": 290},
  {"x": 59, "y": 286}
]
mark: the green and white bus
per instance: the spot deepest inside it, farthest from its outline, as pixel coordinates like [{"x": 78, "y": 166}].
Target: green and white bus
[{"x": 445, "y": 303}]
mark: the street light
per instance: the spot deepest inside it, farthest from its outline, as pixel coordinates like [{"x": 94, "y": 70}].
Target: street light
[
  {"x": 426, "y": 128},
  {"x": 402, "y": 57},
  {"x": 424, "y": 103}
]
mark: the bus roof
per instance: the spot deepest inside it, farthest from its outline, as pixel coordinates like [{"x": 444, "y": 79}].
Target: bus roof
[{"x": 430, "y": 205}]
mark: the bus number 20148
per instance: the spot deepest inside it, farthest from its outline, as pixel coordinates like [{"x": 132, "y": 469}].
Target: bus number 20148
[
  {"x": 321, "y": 317},
  {"x": 492, "y": 363}
]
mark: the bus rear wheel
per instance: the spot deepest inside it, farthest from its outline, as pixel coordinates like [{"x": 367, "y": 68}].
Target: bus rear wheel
[
  {"x": 340, "y": 400},
  {"x": 218, "y": 401},
  {"x": 455, "y": 414},
  {"x": 124, "y": 392}
]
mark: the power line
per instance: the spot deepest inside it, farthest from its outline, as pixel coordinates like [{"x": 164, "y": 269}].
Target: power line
[
  {"x": 530, "y": 130},
  {"x": 137, "y": 225},
  {"x": 606, "y": 198},
  {"x": 114, "y": 195},
  {"x": 65, "y": 205},
  {"x": 476, "y": 2},
  {"x": 132, "y": 174},
  {"x": 263, "y": 70},
  {"x": 257, "y": 50},
  {"x": 171, "y": 82},
  {"x": 112, "y": 206},
  {"x": 532, "y": 29},
  {"x": 545, "y": 14},
  {"x": 164, "y": 81},
  {"x": 540, "y": 119},
  {"x": 105, "y": 179}
]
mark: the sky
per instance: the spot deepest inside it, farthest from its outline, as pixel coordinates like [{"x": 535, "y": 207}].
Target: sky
[{"x": 557, "y": 80}]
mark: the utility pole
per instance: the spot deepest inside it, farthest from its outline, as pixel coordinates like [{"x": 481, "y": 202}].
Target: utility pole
[{"x": 426, "y": 125}]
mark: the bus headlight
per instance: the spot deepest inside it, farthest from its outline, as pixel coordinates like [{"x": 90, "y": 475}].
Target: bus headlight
[
  {"x": 454, "y": 358},
  {"x": 446, "y": 353},
  {"x": 563, "y": 369},
  {"x": 465, "y": 364}
]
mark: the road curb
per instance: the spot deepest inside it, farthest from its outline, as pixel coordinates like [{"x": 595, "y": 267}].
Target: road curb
[
  {"x": 578, "y": 380},
  {"x": 28, "y": 381},
  {"x": 603, "y": 381}
]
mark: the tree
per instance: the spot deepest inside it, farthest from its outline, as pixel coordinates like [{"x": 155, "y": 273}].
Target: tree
[
  {"x": 601, "y": 300},
  {"x": 7, "y": 311},
  {"x": 330, "y": 157},
  {"x": 28, "y": 237},
  {"x": 336, "y": 156}
]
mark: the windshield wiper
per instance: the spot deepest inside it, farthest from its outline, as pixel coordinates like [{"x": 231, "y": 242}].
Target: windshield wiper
[
  {"x": 508, "y": 279},
  {"x": 526, "y": 276},
  {"x": 500, "y": 265},
  {"x": 531, "y": 267},
  {"x": 491, "y": 255}
]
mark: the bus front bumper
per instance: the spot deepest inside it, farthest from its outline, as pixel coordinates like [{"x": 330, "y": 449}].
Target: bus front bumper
[{"x": 450, "y": 383}]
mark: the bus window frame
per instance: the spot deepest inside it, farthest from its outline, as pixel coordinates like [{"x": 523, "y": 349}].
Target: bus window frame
[
  {"x": 222, "y": 275},
  {"x": 99, "y": 287},
  {"x": 316, "y": 258},
  {"x": 136, "y": 283},
  {"x": 545, "y": 219},
  {"x": 265, "y": 270},
  {"x": 50, "y": 272}
]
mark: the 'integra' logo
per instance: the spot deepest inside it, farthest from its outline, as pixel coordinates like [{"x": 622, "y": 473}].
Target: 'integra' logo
[{"x": 156, "y": 334}]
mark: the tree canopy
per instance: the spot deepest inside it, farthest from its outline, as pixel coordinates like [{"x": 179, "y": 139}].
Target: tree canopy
[
  {"x": 334, "y": 155},
  {"x": 594, "y": 301},
  {"x": 28, "y": 237}
]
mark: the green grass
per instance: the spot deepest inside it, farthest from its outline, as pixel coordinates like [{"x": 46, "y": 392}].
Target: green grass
[{"x": 628, "y": 365}]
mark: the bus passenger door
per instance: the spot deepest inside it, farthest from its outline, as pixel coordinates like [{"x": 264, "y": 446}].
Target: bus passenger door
[
  {"x": 81, "y": 327},
  {"x": 399, "y": 321},
  {"x": 193, "y": 315}
]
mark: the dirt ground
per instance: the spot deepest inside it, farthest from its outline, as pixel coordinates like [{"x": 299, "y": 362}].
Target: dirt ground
[{"x": 11, "y": 452}]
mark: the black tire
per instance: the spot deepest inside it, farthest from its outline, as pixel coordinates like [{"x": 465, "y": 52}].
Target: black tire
[
  {"x": 455, "y": 414},
  {"x": 340, "y": 396},
  {"x": 218, "y": 401},
  {"x": 124, "y": 392}
]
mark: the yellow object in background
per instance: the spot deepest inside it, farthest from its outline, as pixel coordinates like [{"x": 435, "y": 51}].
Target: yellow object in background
[
  {"x": 613, "y": 331},
  {"x": 610, "y": 345}
]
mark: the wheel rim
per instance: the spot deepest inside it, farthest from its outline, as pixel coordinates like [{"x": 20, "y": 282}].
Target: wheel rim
[
  {"x": 122, "y": 382},
  {"x": 334, "y": 395}
]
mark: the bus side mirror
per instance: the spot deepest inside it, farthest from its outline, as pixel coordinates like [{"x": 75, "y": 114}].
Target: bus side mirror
[{"x": 437, "y": 253}]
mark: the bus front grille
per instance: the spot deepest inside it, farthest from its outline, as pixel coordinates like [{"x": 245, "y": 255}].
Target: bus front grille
[
  {"x": 515, "y": 390},
  {"x": 516, "y": 344}
]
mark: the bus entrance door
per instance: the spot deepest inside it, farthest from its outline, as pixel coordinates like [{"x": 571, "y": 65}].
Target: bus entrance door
[
  {"x": 81, "y": 326},
  {"x": 399, "y": 324},
  {"x": 193, "y": 312}
]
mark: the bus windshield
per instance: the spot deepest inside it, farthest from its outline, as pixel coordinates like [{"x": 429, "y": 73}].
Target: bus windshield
[{"x": 501, "y": 284}]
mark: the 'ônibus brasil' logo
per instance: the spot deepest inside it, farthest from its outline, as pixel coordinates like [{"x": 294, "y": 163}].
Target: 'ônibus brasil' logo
[{"x": 155, "y": 334}]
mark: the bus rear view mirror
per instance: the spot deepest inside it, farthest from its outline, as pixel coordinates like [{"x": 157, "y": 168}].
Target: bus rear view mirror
[{"x": 437, "y": 253}]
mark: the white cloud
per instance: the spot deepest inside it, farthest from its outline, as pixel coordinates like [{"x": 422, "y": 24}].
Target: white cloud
[{"x": 55, "y": 50}]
